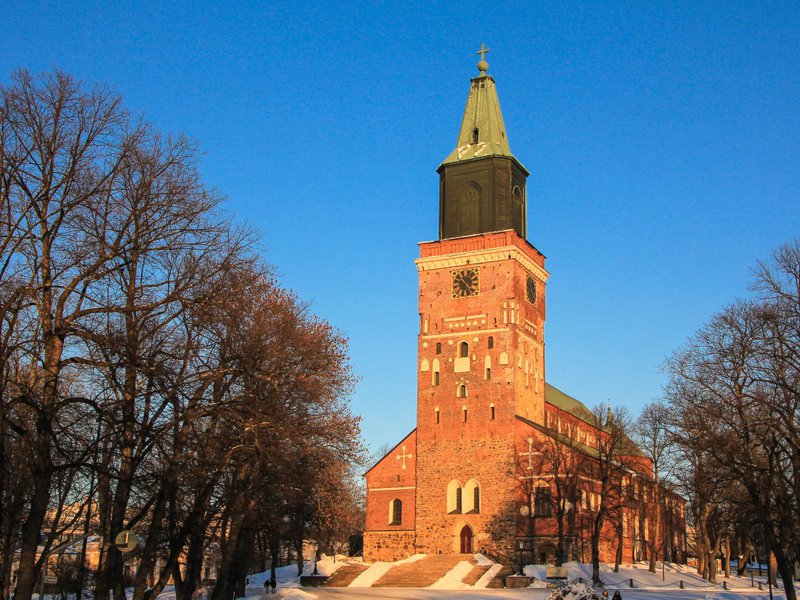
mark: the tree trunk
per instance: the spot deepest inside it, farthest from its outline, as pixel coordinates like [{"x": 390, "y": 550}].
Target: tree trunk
[
  {"x": 618, "y": 557},
  {"x": 298, "y": 544},
  {"x": 653, "y": 533},
  {"x": 786, "y": 568},
  {"x": 727, "y": 563},
  {"x": 42, "y": 475},
  {"x": 194, "y": 566},
  {"x": 31, "y": 532},
  {"x": 712, "y": 566},
  {"x": 701, "y": 558},
  {"x": 772, "y": 568},
  {"x": 560, "y": 549},
  {"x": 598, "y": 525}
]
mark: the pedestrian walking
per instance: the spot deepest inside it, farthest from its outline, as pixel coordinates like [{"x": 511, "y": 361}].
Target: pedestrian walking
[
  {"x": 617, "y": 596},
  {"x": 273, "y": 584}
]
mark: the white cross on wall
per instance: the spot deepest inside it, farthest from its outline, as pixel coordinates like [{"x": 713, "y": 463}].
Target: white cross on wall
[
  {"x": 403, "y": 456},
  {"x": 529, "y": 454}
]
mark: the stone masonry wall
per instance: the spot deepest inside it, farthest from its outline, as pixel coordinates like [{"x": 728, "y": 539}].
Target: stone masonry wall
[
  {"x": 388, "y": 546},
  {"x": 393, "y": 477}
]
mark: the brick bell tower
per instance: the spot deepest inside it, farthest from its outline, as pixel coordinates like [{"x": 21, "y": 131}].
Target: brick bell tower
[{"x": 481, "y": 340}]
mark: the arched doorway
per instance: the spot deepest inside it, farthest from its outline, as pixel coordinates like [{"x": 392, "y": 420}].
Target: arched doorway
[
  {"x": 547, "y": 554},
  {"x": 465, "y": 538}
]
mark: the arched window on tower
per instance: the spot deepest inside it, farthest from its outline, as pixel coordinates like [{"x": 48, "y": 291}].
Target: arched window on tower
[
  {"x": 472, "y": 497},
  {"x": 487, "y": 368},
  {"x": 461, "y": 391},
  {"x": 435, "y": 372},
  {"x": 436, "y": 415},
  {"x": 463, "y": 350},
  {"x": 491, "y": 412},
  {"x": 464, "y": 414},
  {"x": 475, "y": 133},
  {"x": 454, "y": 497},
  {"x": 395, "y": 512},
  {"x": 517, "y": 211},
  {"x": 468, "y": 209}
]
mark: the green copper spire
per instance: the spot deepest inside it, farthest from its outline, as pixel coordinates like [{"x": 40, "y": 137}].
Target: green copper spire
[
  {"x": 481, "y": 184},
  {"x": 483, "y": 132}
]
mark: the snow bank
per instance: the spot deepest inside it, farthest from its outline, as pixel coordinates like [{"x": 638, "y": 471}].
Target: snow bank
[
  {"x": 379, "y": 569},
  {"x": 452, "y": 579},
  {"x": 286, "y": 576},
  {"x": 482, "y": 561}
]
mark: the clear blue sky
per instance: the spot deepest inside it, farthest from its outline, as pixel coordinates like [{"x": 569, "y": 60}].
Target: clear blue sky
[{"x": 663, "y": 141}]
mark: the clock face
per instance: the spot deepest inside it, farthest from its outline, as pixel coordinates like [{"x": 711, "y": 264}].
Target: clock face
[
  {"x": 530, "y": 290},
  {"x": 465, "y": 283}
]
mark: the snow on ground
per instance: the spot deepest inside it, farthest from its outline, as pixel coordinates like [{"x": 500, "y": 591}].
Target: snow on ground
[
  {"x": 378, "y": 569},
  {"x": 452, "y": 579},
  {"x": 520, "y": 594},
  {"x": 286, "y": 577},
  {"x": 482, "y": 561},
  {"x": 294, "y": 594},
  {"x": 649, "y": 585}
]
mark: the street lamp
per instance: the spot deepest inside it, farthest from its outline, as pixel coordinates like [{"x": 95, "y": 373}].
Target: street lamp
[
  {"x": 521, "y": 546},
  {"x": 316, "y": 553}
]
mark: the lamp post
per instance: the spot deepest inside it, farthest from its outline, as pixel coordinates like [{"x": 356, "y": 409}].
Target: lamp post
[{"x": 521, "y": 546}]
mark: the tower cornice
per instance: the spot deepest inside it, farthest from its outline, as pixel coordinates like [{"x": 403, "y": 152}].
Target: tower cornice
[{"x": 480, "y": 249}]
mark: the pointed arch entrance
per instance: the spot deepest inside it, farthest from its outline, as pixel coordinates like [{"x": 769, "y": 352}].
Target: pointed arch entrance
[
  {"x": 466, "y": 539},
  {"x": 463, "y": 538}
]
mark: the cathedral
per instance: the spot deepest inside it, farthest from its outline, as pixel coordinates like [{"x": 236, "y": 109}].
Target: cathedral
[{"x": 469, "y": 478}]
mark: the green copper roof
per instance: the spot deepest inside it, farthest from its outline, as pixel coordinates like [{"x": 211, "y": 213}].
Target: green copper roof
[
  {"x": 576, "y": 408},
  {"x": 559, "y": 399},
  {"x": 483, "y": 132}
]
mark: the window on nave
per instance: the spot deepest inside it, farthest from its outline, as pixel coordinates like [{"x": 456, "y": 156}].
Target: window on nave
[{"x": 395, "y": 512}]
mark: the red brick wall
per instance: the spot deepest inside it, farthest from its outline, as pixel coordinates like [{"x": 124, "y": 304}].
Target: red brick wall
[
  {"x": 485, "y": 448},
  {"x": 482, "y": 448},
  {"x": 639, "y": 506},
  {"x": 388, "y": 480}
]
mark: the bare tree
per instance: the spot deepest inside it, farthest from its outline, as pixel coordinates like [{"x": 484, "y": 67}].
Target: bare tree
[
  {"x": 150, "y": 366},
  {"x": 613, "y": 450},
  {"x": 734, "y": 387},
  {"x": 652, "y": 433},
  {"x": 561, "y": 463},
  {"x": 62, "y": 149}
]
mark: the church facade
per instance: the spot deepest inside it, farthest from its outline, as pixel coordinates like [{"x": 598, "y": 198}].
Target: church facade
[{"x": 473, "y": 475}]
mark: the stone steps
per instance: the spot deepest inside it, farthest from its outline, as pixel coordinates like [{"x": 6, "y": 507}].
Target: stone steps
[
  {"x": 421, "y": 573},
  {"x": 497, "y": 582},
  {"x": 476, "y": 573},
  {"x": 345, "y": 575}
]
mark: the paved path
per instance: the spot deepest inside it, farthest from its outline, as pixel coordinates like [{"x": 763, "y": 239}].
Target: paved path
[{"x": 533, "y": 594}]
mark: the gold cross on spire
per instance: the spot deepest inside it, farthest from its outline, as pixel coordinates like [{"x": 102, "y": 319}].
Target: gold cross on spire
[{"x": 483, "y": 66}]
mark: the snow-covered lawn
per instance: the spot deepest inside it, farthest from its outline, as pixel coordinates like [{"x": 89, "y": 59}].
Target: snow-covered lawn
[{"x": 649, "y": 586}]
